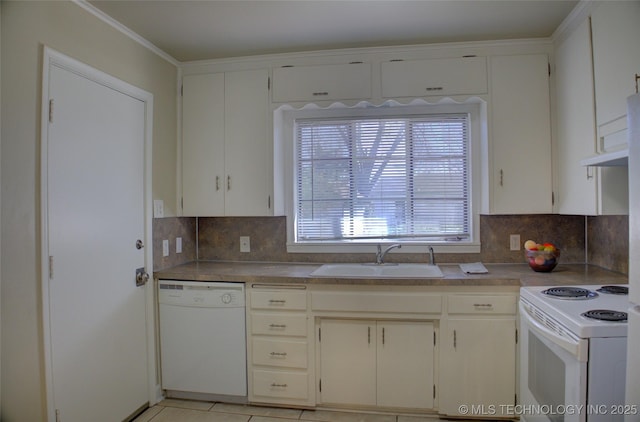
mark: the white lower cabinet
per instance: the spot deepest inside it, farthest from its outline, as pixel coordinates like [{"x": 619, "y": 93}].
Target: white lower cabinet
[
  {"x": 478, "y": 357},
  {"x": 376, "y": 363},
  {"x": 413, "y": 348},
  {"x": 280, "y": 346}
]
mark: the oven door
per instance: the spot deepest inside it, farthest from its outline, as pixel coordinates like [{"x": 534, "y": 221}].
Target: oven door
[{"x": 553, "y": 370}]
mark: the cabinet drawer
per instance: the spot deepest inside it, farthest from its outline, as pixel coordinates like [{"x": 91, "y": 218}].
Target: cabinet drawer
[
  {"x": 482, "y": 304},
  {"x": 326, "y": 82},
  {"x": 377, "y": 302},
  {"x": 419, "y": 78},
  {"x": 284, "y": 353},
  {"x": 279, "y": 299},
  {"x": 280, "y": 384},
  {"x": 271, "y": 323}
]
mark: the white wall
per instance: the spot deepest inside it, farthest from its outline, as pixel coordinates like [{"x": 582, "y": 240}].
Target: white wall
[{"x": 63, "y": 26}]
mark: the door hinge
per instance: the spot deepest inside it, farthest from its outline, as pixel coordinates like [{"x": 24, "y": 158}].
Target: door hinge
[
  {"x": 549, "y": 68},
  {"x": 182, "y": 204},
  {"x": 515, "y": 398},
  {"x": 269, "y": 202},
  {"x": 516, "y": 336},
  {"x": 319, "y": 334},
  {"x": 434, "y": 338},
  {"x": 320, "y": 385},
  {"x": 434, "y": 391},
  {"x": 50, "y": 267},
  {"x": 553, "y": 198},
  {"x": 268, "y": 84},
  {"x": 182, "y": 90},
  {"x": 51, "y": 110}
]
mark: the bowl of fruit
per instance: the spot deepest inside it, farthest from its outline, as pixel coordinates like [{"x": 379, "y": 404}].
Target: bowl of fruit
[{"x": 542, "y": 257}]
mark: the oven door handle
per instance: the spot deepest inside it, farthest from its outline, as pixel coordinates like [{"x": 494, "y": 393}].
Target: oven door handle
[{"x": 569, "y": 344}]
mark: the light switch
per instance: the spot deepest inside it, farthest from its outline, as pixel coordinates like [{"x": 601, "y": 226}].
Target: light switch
[
  {"x": 514, "y": 242},
  {"x": 158, "y": 208},
  {"x": 165, "y": 248}
]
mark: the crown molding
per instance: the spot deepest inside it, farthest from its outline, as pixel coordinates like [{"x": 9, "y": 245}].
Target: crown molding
[
  {"x": 126, "y": 31},
  {"x": 579, "y": 13}
]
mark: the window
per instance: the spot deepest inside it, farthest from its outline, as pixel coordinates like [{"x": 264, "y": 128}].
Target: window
[{"x": 370, "y": 175}]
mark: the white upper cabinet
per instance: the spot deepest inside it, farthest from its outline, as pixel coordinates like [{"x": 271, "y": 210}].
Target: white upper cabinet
[
  {"x": 520, "y": 135},
  {"x": 420, "y": 78},
  {"x": 203, "y": 145},
  {"x": 582, "y": 190},
  {"x": 325, "y": 82},
  {"x": 577, "y": 187},
  {"x": 616, "y": 60},
  {"x": 226, "y": 148}
]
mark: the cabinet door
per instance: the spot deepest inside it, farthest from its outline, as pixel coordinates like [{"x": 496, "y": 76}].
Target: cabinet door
[
  {"x": 616, "y": 60},
  {"x": 247, "y": 151},
  {"x": 203, "y": 145},
  {"x": 520, "y": 136},
  {"x": 348, "y": 362},
  {"x": 455, "y": 76},
  {"x": 576, "y": 123},
  {"x": 327, "y": 82},
  {"x": 478, "y": 365},
  {"x": 405, "y": 364}
]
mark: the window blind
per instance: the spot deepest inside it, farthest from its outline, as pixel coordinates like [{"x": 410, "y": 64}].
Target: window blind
[{"x": 383, "y": 178}]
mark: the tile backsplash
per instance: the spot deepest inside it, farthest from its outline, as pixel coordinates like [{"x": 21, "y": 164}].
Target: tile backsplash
[
  {"x": 602, "y": 241},
  {"x": 170, "y": 229}
]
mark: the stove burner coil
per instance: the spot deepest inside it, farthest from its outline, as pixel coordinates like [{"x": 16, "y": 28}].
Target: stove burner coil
[
  {"x": 614, "y": 290},
  {"x": 606, "y": 315},
  {"x": 575, "y": 293}
]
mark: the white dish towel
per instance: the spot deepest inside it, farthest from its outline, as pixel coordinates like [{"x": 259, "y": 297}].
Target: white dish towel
[{"x": 474, "y": 268}]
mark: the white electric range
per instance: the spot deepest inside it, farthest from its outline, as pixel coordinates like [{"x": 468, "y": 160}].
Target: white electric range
[{"x": 573, "y": 353}]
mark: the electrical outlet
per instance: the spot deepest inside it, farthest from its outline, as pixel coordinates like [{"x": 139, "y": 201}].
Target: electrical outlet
[
  {"x": 165, "y": 248},
  {"x": 245, "y": 244},
  {"x": 514, "y": 242},
  {"x": 178, "y": 245}
]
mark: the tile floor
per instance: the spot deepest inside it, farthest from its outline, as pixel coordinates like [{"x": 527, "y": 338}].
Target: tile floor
[{"x": 172, "y": 410}]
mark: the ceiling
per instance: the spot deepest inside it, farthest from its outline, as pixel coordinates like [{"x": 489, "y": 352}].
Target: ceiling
[{"x": 210, "y": 29}]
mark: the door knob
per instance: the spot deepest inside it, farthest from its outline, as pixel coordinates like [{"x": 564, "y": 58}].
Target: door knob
[{"x": 141, "y": 277}]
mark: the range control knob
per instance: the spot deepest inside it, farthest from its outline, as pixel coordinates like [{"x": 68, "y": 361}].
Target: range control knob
[{"x": 226, "y": 298}]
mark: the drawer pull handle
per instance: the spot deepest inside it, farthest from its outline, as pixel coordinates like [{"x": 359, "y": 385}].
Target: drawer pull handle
[
  {"x": 434, "y": 88},
  {"x": 277, "y": 301},
  {"x": 483, "y": 305},
  {"x": 278, "y": 354},
  {"x": 318, "y": 94},
  {"x": 277, "y": 326},
  {"x": 274, "y": 385}
]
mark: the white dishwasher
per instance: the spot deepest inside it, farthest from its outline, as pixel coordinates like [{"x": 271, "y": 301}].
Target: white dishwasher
[{"x": 203, "y": 351}]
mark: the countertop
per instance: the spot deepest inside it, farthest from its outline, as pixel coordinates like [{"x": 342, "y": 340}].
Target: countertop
[{"x": 513, "y": 275}]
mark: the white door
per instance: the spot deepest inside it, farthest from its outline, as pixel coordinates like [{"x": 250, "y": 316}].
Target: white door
[{"x": 95, "y": 213}]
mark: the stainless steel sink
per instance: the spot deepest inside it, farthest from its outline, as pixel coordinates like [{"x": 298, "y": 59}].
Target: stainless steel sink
[{"x": 378, "y": 271}]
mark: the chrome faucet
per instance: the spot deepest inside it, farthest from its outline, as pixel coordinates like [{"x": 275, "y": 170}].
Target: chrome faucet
[
  {"x": 432, "y": 256},
  {"x": 380, "y": 255}
]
